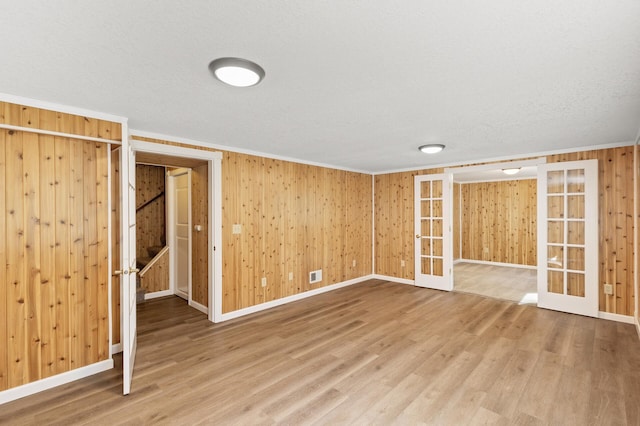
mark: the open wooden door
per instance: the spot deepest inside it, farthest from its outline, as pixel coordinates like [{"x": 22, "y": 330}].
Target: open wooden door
[
  {"x": 129, "y": 272},
  {"x": 433, "y": 255},
  {"x": 568, "y": 237}
]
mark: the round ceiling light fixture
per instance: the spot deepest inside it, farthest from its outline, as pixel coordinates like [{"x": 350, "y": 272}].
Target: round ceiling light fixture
[
  {"x": 432, "y": 148},
  {"x": 236, "y": 72},
  {"x": 511, "y": 171}
]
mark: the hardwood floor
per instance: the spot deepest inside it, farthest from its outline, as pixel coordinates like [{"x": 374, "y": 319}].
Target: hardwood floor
[
  {"x": 372, "y": 353},
  {"x": 501, "y": 282}
]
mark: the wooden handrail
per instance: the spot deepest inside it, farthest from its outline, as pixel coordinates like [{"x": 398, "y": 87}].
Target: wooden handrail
[{"x": 146, "y": 203}]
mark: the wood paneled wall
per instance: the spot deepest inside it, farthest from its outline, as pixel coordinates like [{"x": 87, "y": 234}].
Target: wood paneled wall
[
  {"x": 295, "y": 219},
  {"x": 54, "y": 227},
  {"x": 156, "y": 278},
  {"x": 115, "y": 245},
  {"x": 499, "y": 221},
  {"x": 457, "y": 221},
  {"x": 200, "y": 240},
  {"x": 394, "y": 237},
  {"x": 150, "y": 219}
]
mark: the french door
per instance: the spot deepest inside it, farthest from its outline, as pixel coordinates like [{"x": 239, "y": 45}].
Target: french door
[
  {"x": 433, "y": 255},
  {"x": 568, "y": 237},
  {"x": 129, "y": 272}
]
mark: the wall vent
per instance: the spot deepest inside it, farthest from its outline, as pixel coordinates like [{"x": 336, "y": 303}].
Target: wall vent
[{"x": 315, "y": 276}]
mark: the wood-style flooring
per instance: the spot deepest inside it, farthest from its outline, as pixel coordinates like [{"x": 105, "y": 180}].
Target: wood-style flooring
[
  {"x": 501, "y": 282},
  {"x": 372, "y": 353}
]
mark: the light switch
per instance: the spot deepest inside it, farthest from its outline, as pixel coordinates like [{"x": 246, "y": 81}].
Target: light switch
[{"x": 237, "y": 228}]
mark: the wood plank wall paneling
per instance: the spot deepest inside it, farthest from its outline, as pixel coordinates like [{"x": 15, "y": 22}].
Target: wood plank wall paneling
[
  {"x": 156, "y": 278},
  {"x": 499, "y": 221},
  {"x": 394, "y": 223},
  {"x": 115, "y": 245},
  {"x": 150, "y": 219},
  {"x": 457, "y": 221},
  {"x": 287, "y": 212},
  {"x": 200, "y": 240},
  {"x": 295, "y": 219},
  {"x": 54, "y": 297}
]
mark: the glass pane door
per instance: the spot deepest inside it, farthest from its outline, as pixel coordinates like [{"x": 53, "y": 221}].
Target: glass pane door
[
  {"x": 567, "y": 232},
  {"x": 432, "y": 254}
]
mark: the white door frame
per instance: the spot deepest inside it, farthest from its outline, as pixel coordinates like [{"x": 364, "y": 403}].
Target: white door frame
[
  {"x": 214, "y": 162},
  {"x": 171, "y": 232}
]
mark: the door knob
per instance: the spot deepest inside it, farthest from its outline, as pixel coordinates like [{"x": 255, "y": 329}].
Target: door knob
[{"x": 417, "y": 235}]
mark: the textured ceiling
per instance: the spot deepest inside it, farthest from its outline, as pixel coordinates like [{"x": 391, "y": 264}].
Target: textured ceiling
[{"x": 352, "y": 84}]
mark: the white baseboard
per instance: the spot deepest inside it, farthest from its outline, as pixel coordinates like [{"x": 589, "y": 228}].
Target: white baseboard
[
  {"x": 199, "y": 307},
  {"x": 637, "y": 321},
  {"x": 485, "y": 262},
  {"x": 156, "y": 294},
  {"x": 394, "y": 279},
  {"x": 53, "y": 381},
  {"x": 627, "y": 319},
  {"x": 267, "y": 305},
  {"x": 117, "y": 348}
]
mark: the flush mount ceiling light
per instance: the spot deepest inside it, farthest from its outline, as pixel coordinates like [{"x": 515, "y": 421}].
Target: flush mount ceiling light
[
  {"x": 236, "y": 71},
  {"x": 432, "y": 148},
  {"x": 512, "y": 171}
]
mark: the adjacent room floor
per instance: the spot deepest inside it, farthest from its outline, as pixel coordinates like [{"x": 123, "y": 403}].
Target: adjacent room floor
[
  {"x": 371, "y": 353},
  {"x": 501, "y": 282}
]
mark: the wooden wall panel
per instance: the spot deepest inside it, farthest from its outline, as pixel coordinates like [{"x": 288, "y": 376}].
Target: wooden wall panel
[
  {"x": 54, "y": 221},
  {"x": 156, "y": 278},
  {"x": 499, "y": 221},
  {"x": 150, "y": 218},
  {"x": 115, "y": 245},
  {"x": 200, "y": 241},
  {"x": 291, "y": 216},
  {"x": 457, "y": 221},
  {"x": 394, "y": 223},
  {"x": 296, "y": 219}
]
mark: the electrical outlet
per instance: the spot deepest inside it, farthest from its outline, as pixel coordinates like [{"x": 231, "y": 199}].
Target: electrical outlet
[
  {"x": 290, "y": 276},
  {"x": 264, "y": 281},
  {"x": 608, "y": 289},
  {"x": 402, "y": 264},
  {"x": 354, "y": 263},
  {"x": 485, "y": 250},
  {"x": 236, "y": 229}
]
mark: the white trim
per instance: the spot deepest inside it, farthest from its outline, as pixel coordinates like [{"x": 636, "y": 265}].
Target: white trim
[
  {"x": 109, "y": 251},
  {"x": 615, "y": 317},
  {"x": 117, "y": 348},
  {"x": 144, "y": 134},
  {"x": 58, "y": 134},
  {"x": 156, "y": 294},
  {"x": 502, "y": 179},
  {"x": 53, "y": 381},
  {"x": 289, "y": 299},
  {"x": 486, "y": 262},
  {"x": 394, "y": 279},
  {"x": 637, "y": 325},
  {"x": 199, "y": 306},
  {"x": 494, "y": 166},
  {"x": 214, "y": 161},
  {"x": 507, "y": 158},
  {"x": 51, "y": 106}
]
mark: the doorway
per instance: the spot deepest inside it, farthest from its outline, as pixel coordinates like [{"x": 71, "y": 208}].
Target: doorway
[{"x": 565, "y": 246}]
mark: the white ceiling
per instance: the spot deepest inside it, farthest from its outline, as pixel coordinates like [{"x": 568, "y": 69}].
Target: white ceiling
[{"x": 352, "y": 84}]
